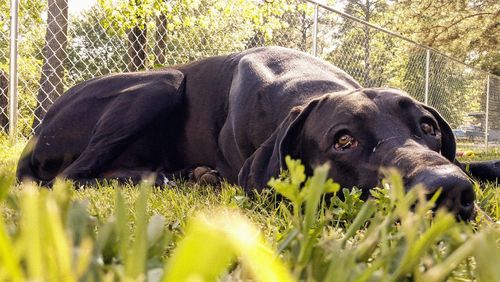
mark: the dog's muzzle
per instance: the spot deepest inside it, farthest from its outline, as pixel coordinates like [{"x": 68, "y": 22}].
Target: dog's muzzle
[{"x": 457, "y": 192}]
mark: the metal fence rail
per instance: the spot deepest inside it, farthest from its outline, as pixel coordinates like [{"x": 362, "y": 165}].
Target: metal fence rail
[{"x": 56, "y": 51}]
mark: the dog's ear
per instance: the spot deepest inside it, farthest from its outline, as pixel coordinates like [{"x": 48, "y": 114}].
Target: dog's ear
[
  {"x": 268, "y": 160},
  {"x": 448, "y": 144}
]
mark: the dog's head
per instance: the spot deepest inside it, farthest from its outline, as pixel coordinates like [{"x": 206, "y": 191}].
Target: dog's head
[{"x": 359, "y": 133}]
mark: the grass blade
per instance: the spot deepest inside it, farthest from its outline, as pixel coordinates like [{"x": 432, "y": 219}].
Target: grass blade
[{"x": 135, "y": 266}]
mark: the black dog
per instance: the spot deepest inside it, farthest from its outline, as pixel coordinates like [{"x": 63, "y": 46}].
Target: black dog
[{"x": 240, "y": 115}]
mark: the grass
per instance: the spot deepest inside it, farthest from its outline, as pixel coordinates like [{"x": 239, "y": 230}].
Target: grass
[{"x": 192, "y": 232}]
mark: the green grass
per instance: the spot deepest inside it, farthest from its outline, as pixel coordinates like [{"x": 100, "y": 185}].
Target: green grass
[
  {"x": 192, "y": 232},
  {"x": 479, "y": 151}
]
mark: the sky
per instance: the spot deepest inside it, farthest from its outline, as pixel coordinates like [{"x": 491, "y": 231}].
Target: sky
[{"x": 76, "y": 6}]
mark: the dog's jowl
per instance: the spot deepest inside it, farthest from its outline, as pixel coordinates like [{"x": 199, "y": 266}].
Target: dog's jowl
[{"x": 236, "y": 117}]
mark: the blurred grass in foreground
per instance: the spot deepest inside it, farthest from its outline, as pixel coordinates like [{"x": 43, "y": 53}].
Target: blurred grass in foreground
[{"x": 196, "y": 233}]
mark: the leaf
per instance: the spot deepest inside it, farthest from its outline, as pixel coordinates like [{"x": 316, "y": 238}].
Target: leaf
[
  {"x": 6, "y": 181},
  {"x": 285, "y": 188},
  {"x": 219, "y": 238},
  {"x": 487, "y": 254},
  {"x": 364, "y": 214},
  {"x": 32, "y": 228},
  {"x": 121, "y": 225},
  {"x": 415, "y": 250},
  {"x": 156, "y": 228},
  {"x": 9, "y": 258},
  {"x": 296, "y": 170}
]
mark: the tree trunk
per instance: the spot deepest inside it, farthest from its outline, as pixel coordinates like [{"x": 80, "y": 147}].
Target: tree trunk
[
  {"x": 54, "y": 54},
  {"x": 366, "y": 43},
  {"x": 303, "y": 30},
  {"x": 257, "y": 40},
  {"x": 494, "y": 110},
  {"x": 160, "y": 44},
  {"x": 4, "y": 101},
  {"x": 137, "y": 48}
]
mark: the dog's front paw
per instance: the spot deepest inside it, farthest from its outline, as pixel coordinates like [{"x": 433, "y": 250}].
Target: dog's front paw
[
  {"x": 163, "y": 181},
  {"x": 206, "y": 176}
]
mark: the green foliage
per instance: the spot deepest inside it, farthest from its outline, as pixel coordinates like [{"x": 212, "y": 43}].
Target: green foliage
[
  {"x": 453, "y": 91},
  {"x": 390, "y": 246},
  {"x": 194, "y": 28},
  {"x": 467, "y": 30},
  {"x": 92, "y": 50},
  {"x": 200, "y": 28},
  {"x": 363, "y": 52},
  {"x": 31, "y": 30},
  {"x": 7, "y": 153},
  {"x": 54, "y": 238}
]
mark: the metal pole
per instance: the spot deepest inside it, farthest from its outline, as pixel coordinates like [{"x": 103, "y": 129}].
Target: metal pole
[
  {"x": 315, "y": 31},
  {"x": 487, "y": 114},
  {"x": 14, "y": 9},
  {"x": 427, "y": 61}
]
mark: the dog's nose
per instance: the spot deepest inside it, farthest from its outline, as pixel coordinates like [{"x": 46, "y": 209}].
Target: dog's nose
[{"x": 457, "y": 191}]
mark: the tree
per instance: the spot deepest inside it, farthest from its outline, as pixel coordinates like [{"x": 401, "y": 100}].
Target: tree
[
  {"x": 286, "y": 23},
  {"x": 494, "y": 106},
  {"x": 468, "y": 30},
  {"x": 4, "y": 87},
  {"x": 363, "y": 52},
  {"x": 160, "y": 39},
  {"x": 131, "y": 17},
  {"x": 92, "y": 49},
  {"x": 465, "y": 29},
  {"x": 369, "y": 11},
  {"x": 453, "y": 92},
  {"x": 195, "y": 28},
  {"x": 54, "y": 54},
  {"x": 31, "y": 32},
  {"x": 4, "y": 102},
  {"x": 137, "y": 38}
]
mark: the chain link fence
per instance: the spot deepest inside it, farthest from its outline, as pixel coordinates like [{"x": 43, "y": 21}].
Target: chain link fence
[{"x": 58, "y": 50}]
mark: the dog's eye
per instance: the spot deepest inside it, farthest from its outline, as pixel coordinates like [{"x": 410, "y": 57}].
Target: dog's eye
[
  {"x": 345, "y": 141},
  {"x": 427, "y": 128}
]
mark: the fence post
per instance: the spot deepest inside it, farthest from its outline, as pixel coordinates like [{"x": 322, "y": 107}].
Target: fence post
[
  {"x": 14, "y": 9},
  {"x": 427, "y": 62},
  {"x": 315, "y": 31},
  {"x": 487, "y": 113}
]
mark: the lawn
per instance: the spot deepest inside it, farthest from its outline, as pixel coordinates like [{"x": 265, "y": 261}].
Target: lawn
[{"x": 197, "y": 233}]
